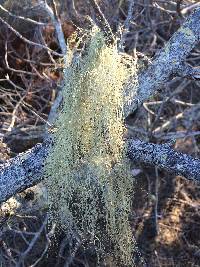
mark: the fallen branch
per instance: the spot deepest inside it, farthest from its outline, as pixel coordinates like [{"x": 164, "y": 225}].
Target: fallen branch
[
  {"x": 164, "y": 157},
  {"x": 23, "y": 171},
  {"x": 168, "y": 61},
  {"x": 26, "y": 169}
]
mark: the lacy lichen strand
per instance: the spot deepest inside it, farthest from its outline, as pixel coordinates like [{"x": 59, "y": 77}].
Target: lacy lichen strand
[{"x": 87, "y": 174}]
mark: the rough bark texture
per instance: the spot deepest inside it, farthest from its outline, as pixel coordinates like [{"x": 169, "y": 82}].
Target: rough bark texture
[
  {"x": 27, "y": 169},
  {"x": 166, "y": 63},
  {"x": 164, "y": 157},
  {"x": 23, "y": 171}
]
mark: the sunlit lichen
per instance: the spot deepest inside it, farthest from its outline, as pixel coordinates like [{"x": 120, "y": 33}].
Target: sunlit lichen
[{"x": 87, "y": 173}]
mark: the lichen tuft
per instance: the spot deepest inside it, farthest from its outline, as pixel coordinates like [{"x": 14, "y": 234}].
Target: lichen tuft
[{"x": 87, "y": 173}]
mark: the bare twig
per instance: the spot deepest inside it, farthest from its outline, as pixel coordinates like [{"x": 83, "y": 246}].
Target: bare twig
[
  {"x": 32, "y": 243},
  {"x": 126, "y": 25},
  {"x": 27, "y": 40},
  {"x": 103, "y": 19},
  {"x": 22, "y": 18},
  {"x": 12, "y": 69},
  {"x": 192, "y": 110}
]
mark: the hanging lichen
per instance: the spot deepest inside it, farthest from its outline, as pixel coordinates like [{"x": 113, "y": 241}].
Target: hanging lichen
[{"x": 87, "y": 173}]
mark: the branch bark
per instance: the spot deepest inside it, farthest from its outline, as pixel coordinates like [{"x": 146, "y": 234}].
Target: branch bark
[
  {"x": 57, "y": 24},
  {"x": 164, "y": 157},
  {"x": 166, "y": 63},
  {"x": 23, "y": 171},
  {"x": 27, "y": 168}
]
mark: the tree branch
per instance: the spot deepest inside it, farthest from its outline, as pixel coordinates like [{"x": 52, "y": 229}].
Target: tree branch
[
  {"x": 23, "y": 171},
  {"x": 164, "y": 157},
  {"x": 22, "y": 18},
  {"x": 187, "y": 71},
  {"x": 57, "y": 24},
  {"x": 126, "y": 25},
  {"x": 166, "y": 63},
  {"x": 26, "y": 169},
  {"x": 29, "y": 41}
]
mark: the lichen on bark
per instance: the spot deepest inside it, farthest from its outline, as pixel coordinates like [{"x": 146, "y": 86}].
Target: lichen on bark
[{"x": 88, "y": 176}]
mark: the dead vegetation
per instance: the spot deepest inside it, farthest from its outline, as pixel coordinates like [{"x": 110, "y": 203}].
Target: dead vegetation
[{"x": 165, "y": 219}]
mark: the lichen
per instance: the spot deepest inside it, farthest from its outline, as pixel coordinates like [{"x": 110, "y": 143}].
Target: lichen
[{"x": 88, "y": 176}]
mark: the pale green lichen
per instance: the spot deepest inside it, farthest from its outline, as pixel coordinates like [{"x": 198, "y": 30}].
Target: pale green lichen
[{"x": 87, "y": 173}]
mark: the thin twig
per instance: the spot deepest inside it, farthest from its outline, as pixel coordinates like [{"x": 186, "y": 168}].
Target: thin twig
[
  {"x": 126, "y": 25},
  {"x": 22, "y": 18},
  {"x": 27, "y": 40},
  {"x": 103, "y": 19}
]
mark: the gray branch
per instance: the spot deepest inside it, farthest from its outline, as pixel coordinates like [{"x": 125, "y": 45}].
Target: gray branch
[
  {"x": 57, "y": 24},
  {"x": 23, "y": 171},
  {"x": 26, "y": 169},
  {"x": 166, "y": 63},
  {"x": 164, "y": 157},
  {"x": 187, "y": 71}
]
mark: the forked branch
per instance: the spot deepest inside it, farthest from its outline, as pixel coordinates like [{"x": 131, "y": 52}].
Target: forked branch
[{"x": 27, "y": 168}]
